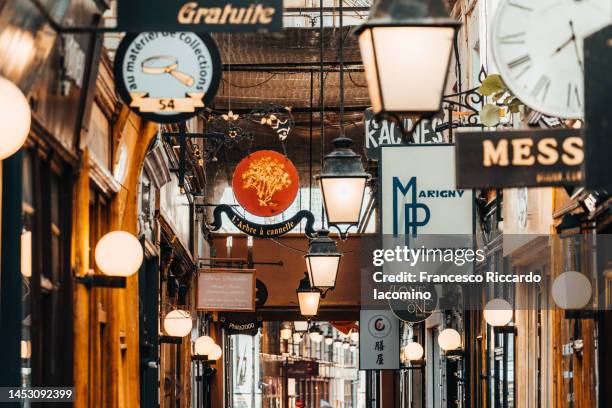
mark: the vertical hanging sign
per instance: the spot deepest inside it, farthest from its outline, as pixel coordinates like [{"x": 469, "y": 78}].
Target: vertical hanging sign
[{"x": 379, "y": 340}]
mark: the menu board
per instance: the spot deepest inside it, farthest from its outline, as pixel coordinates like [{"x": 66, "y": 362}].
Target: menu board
[{"x": 226, "y": 289}]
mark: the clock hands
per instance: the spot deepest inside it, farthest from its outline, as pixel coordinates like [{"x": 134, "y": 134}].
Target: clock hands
[
  {"x": 571, "y": 23},
  {"x": 565, "y": 44},
  {"x": 571, "y": 40}
]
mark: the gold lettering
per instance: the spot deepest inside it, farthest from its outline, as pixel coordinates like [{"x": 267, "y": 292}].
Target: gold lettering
[
  {"x": 187, "y": 13},
  {"x": 522, "y": 152},
  {"x": 495, "y": 155},
  {"x": 213, "y": 16},
  {"x": 574, "y": 154},
  {"x": 547, "y": 151}
]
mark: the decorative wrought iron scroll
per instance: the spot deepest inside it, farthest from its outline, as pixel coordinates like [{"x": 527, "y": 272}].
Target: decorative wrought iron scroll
[{"x": 261, "y": 230}]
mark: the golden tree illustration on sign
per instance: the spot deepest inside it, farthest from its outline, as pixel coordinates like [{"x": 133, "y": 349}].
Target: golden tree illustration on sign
[{"x": 266, "y": 176}]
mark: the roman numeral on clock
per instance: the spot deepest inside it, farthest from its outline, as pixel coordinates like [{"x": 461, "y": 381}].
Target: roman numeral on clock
[
  {"x": 540, "y": 90},
  {"x": 573, "y": 94},
  {"x": 519, "y": 6},
  {"x": 519, "y": 61},
  {"x": 517, "y": 38}
]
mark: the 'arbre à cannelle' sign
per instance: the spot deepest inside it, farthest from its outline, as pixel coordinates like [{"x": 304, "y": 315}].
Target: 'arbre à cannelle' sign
[
  {"x": 265, "y": 183},
  {"x": 209, "y": 15}
]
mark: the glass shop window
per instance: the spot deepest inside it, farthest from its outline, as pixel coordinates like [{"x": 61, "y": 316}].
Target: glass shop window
[{"x": 46, "y": 273}]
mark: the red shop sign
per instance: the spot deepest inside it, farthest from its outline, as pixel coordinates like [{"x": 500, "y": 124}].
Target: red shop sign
[{"x": 265, "y": 183}]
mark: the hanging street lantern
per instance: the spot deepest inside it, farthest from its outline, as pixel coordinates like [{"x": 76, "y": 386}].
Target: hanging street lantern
[
  {"x": 343, "y": 182},
  {"x": 285, "y": 332},
  {"x": 315, "y": 334},
  {"x": 323, "y": 261},
  {"x": 406, "y": 50},
  {"x": 300, "y": 326},
  {"x": 308, "y": 297}
]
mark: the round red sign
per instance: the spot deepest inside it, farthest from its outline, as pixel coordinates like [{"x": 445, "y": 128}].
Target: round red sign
[{"x": 265, "y": 183}]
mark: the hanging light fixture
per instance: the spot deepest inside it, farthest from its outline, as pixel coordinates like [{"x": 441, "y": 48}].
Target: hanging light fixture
[
  {"x": 15, "y": 118},
  {"x": 498, "y": 312},
  {"x": 352, "y": 348},
  {"x": 354, "y": 336},
  {"x": 323, "y": 261},
  {"x": 346, "y": 345},
  {"x": 300, "y": 326},
  {"x": 315, "y": 334},
  {"x": 285, "y": 332},
  {"x": 329, "y": 340},
  {"x": 449, "y": 339},
  {"x": 119, "y": 253},
  {"x": 308, "y": 297},
  {"x": 396, "y": 35},
  {"x": 413, "y": 351},
  {"x": 572, "y": 290},
  {"x": 178, "y": 323},
  {"x": 337, "y": 342},
  {"x": 343, "y": 182},
  {"x": 297, "y": 338}
]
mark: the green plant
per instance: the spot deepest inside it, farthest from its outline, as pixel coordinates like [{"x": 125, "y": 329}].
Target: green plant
[{"x": 494, "y": 86}]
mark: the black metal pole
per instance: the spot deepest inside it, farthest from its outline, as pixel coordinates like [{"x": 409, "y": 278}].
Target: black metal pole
[{"x": 10, "y": 276}]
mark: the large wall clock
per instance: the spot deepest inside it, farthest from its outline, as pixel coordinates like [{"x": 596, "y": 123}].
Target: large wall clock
[{"x": 537, "y": 46}]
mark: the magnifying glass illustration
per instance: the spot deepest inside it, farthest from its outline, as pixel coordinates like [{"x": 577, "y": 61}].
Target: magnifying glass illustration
[{"x": 165, "y": 64}]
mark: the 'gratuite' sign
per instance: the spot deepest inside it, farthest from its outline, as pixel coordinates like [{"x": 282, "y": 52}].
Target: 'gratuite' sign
[{"x": 209, "y": 15}]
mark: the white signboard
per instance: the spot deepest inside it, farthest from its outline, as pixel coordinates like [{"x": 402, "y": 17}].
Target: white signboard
[
  {"x": 379, "y": 340},
  {"x": 419, "y": 196}
]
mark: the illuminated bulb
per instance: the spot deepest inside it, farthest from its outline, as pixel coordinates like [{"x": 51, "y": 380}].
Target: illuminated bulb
[
  {"x": 297, "y": 338},
  {"x": 572, "y": 290},
  {"x": 413, "y": 351},
  {"x": 449, "y": 339},
  {"x": 15, "y": 118},
  {"x": 329, "y": 341},
  {"x": 204, "y": 346},
  {"x": 346, "y": 345},
  {"x": 26, "y": 254},
  {"x": 498, "y": 312},
  {"x": 178, "y": 323},
  {"x": 353, "y": 347},
  {"x": 354, "y": 336},
  {"x": 215, "y": 352},
  {"x": 285, "y": 334},
  {"x": 119, "y": 253}
]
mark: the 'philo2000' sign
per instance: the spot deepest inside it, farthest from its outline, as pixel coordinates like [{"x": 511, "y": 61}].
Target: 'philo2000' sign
[{"x": 167, "y": 77}]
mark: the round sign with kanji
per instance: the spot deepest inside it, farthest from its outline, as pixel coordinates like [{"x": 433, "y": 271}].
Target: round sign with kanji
[{"x": 265, "y": 183}]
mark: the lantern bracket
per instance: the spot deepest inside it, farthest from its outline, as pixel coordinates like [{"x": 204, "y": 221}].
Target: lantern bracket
[
  {"x": 92, "y": 280},
  {"x": 170, "y": 340}
]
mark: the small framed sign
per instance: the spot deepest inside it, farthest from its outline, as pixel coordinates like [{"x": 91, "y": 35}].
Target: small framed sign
[
  {"x": 226, "y": 290},
  {"x": 167, "y": 77}
]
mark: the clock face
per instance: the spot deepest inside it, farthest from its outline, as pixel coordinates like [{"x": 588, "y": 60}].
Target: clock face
[{"x": 537, "y": 46}]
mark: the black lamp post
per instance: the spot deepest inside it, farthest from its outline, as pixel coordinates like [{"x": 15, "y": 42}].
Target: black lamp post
[
  {"x": 323, "y": 261},
  {"x": 406, "y": 49},
  {"x": 343, "y": 182}
]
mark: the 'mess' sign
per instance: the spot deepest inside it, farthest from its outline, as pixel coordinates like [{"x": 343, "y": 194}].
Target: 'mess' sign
[{"x": 520, "y": 158}]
